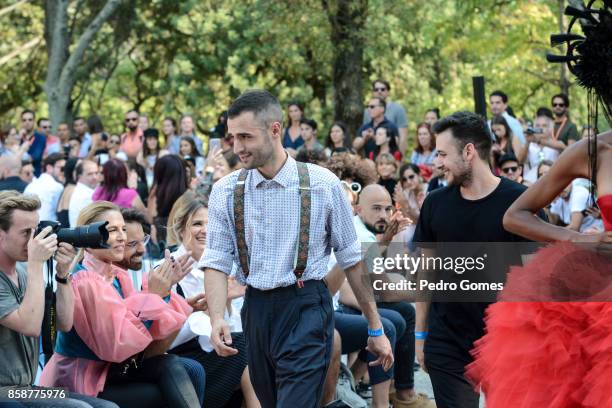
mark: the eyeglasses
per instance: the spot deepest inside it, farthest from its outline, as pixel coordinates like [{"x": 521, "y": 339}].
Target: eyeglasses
[
  {"x": 144, "y": 242},
  {"x": 410, "y": 177},
  {"x": 380, "y": 89},
  {"x": 560, "y": 105},
  {"x": 114, "y": 141},
  {"x": 509, "y": 169},
  {"x": 354, "y": 186},
  {"x": 373, "y": 106}
]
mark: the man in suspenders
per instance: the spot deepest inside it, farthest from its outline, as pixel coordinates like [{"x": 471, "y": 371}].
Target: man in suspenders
[{"x": 278, "y": 220}]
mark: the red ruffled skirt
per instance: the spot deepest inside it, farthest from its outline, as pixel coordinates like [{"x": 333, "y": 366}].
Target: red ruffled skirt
[{"x": 541, "y": 350}]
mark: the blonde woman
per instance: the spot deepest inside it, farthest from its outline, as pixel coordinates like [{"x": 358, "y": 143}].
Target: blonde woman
[
  {"x": 118, "y": 330},
  {"x": 187, "y": 226}
]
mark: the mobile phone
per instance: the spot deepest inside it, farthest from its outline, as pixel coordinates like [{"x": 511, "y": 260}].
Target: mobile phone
[{"x": 214, "y": 144}]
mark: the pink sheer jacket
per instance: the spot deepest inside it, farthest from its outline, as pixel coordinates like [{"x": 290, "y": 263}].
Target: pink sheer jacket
[{"x": 111, "y": 326}]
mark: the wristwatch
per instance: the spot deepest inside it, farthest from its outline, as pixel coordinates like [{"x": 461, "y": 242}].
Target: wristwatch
[{"x": 63, "y": 281}]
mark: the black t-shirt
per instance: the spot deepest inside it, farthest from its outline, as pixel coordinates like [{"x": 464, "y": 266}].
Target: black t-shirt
[{"x": 447, "y": 217}]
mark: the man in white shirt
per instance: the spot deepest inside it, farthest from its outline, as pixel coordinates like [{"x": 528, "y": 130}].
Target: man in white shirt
[
  {"x": 49, "y": 186},
  {"x": 499, "y": 103},
  {"x": 88, "y": 177}
]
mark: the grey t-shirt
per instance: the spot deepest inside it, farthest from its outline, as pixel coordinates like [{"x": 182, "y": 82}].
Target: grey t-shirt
[
  {"x": 394, "y": 112},
  {"x": 18, "y": 353}
]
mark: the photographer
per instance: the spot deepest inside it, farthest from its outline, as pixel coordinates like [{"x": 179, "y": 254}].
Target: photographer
[
  {"x": 107, "y": 352},
  {"x": 22, "y": 296}
]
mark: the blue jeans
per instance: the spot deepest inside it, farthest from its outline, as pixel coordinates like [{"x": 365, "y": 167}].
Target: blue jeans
[{"x": 353, "y": 329}]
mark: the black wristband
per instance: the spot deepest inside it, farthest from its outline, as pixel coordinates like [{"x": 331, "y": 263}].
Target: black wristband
[{"x": 63, "y": 281}]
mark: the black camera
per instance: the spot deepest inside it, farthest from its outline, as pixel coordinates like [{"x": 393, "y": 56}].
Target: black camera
[
  {"x": 531, "y": 130},
  {"x": 92, "y": 236}
]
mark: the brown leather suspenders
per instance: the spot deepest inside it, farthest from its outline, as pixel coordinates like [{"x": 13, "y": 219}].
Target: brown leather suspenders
[{"x": 304, "y": 232}]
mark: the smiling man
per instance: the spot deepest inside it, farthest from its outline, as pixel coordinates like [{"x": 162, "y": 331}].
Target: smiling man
[
  {"x": 279, "y": 220},
  {"x": 470, "y": 209}
]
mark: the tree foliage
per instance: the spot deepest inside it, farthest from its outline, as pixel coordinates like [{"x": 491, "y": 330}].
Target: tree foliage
[{"x": 169, "y": 57}]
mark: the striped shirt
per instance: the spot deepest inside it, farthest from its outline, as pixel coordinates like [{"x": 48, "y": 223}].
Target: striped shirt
[{"x": 272, "y": 223}]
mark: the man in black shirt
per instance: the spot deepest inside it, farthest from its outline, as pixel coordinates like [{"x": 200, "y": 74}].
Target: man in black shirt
[{"x": 470, "y": 209}]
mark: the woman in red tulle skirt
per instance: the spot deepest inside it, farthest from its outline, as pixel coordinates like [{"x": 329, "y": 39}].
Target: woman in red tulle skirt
[{"x": 548, "y": 341}]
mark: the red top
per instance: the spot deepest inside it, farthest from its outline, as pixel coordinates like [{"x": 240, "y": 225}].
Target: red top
[{"x": 605, "y": 205}]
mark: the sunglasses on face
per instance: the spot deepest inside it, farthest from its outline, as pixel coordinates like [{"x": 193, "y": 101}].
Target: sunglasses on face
[
  {"x": 507, "y": 170},
  {"x": 373, "y": 106},
  {"x": 410, "y": 177},
  {"x": 380, "y": 89},
  {"x": 560, "y": 105}
]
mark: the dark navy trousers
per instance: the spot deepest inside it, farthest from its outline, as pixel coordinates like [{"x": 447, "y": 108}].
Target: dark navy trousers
[{"x": 289, "y": 333}]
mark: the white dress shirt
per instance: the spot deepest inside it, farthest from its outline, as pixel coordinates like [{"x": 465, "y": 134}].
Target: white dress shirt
[
  {"x": 48, "y": 191},
  {"x": 81, "y": 197},
  {"x": 198, "y": 324}
]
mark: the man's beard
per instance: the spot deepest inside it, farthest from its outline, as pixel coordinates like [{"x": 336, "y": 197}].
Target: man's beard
[
  {"x": 378, "y": 228},
  {"x": 463, "y": 177},
  {"x": 262, "y": 155}
]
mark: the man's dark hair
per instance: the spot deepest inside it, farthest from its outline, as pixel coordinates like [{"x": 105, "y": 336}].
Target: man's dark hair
[
  {"x": 51, "y": 159},
  {"x": 543, "y": 111},
  {"x": 39, "y": 121},
  {"x": 28, "y": 111},
  {"x": 467, "y": 127},
  {"x": 508, "y": 157},
  {"x": 562, "y": 96},
  {"x": 132, "y": 215},
  {"x": 315, "y": 156},
  {"x": 133, "y": 110},
  {"x": 310, "y": 122},
  {"x": 261, "y": 103},
  {"x": 501, "y": 94},
  {"x": 78, "y": 118},
  {"x": 381, "y": 101},
  {"x": 382, "y": 81}
]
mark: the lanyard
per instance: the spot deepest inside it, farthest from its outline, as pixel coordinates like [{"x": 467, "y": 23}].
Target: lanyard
[{"x": 561, "y": 126}]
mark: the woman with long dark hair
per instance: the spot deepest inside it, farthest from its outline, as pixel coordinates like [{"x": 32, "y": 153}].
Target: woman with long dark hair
[
  {"x": 151, "y": 151},
  {"x": 169, "y": 183},
  {"x": 189, "y": 150},
  {"x": 505, "y": 142},
  {"x": 548, "y": 341},
  {"x": 114, "y": 186},
  {"x": 386, "y": 142},
  {"x": 338, "y": 140},
  {"x": 292, "y": 138}
]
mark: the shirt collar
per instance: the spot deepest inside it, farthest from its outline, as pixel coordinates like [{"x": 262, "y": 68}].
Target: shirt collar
[
  {"x": 363, "y": 233},
  {"x": 286, "y": 174}
]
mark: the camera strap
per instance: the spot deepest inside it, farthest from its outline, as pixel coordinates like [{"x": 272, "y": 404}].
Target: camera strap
[
  {"x": 49, "y": 326},
  {"x": 304, "y": 223}
]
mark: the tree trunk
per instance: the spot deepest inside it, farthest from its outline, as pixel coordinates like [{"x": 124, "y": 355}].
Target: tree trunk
[
  {"x": 62, "y": 66},
  {"x": 347, "y": 18}
]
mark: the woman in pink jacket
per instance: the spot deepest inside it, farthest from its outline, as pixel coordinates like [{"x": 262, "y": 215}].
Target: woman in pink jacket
[{"x": 120, "y": 334}]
